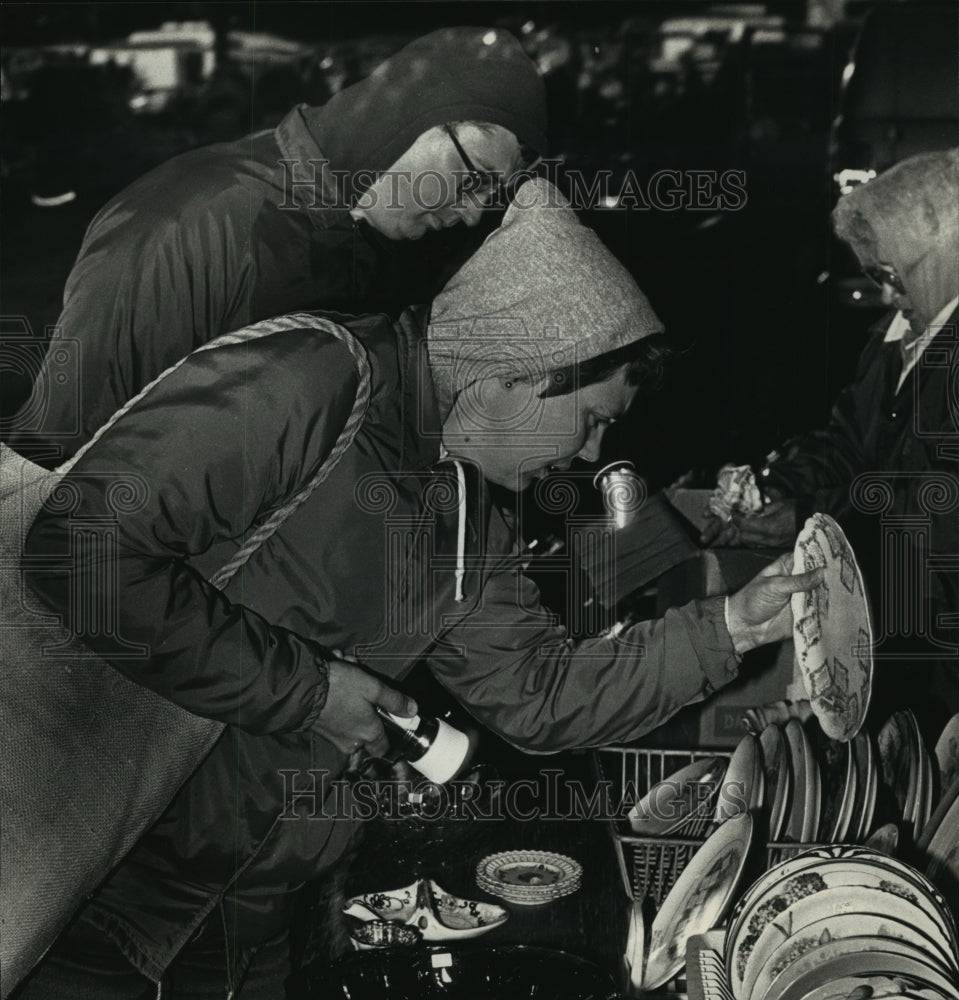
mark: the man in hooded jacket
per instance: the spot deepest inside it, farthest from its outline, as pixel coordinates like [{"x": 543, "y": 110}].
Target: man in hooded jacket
[
  {"x": 399, "y": 556},
  {"x": 306, "y": 215}
]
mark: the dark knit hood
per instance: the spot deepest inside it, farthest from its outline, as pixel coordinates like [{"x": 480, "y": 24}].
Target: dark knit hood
[{"x": 454, "y": 74}]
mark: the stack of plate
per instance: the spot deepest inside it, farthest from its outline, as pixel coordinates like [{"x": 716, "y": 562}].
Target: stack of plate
[
  {"x": 841, "y": 916},
  {"x": 529, "y": 878},
  {"x": 907, "y": 773},
  {"x": 682, "y": 804}
]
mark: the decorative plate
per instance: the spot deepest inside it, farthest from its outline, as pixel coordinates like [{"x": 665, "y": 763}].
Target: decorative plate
[
  {"x": 802, "y": 822},
  {"x": 770, "y": 962},
  {"x": 680, "y": 797},
  {"x": 947, "y": 753},
  {"x": 779, "y": 778},
  {"x": 437, "y": 915},
  {"x": 899, "y": 762},
  {"x": 867, "y": 783},
  {"x": 823, "y": 869},
  {"x": 529, "y": 878},
  {"x": 699, "y": 899},
  {"x": 876, "y": 988},
  {"x": 843, "y": 895},
  {"x": 743, "y": 787},
  {"x": 847, "y": 957},
  {"x": 832, "y": 629}
]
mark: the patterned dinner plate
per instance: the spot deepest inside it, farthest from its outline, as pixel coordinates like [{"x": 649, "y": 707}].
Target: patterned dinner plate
[
  {"x": 850, "y": 907},
  {"x": 802, "y": 820},
  {"x": 898, "y": 743},
  {"x": 779, "y": 778},
  {"x": 801, "y": 876},
  {"x": 876, "y": 988},
  {"x": 947, "y": 753},
  {"x": 832, "y": 629},
  {"x": 744, "y": 786},
  {"x": 848, "y": 957},
  {"x": 699, "y": 899},
  {"x": 770, "y": 962}
]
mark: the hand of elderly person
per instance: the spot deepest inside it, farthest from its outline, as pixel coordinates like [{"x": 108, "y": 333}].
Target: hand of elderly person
[
  {"x": 772, "y": 527},
  {"x": 760, "y": 613},
  {"x": 349, "y": 719}
]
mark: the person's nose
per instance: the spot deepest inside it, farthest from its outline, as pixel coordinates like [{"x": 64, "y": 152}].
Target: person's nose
[
  {"x": 888, "y": 294},
  {"x": 591, "y": 446},
  {"x": 470, "y": 211}
]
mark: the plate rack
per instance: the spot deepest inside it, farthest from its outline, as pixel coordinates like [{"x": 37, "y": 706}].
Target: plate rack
[{"x": 649, "y": 866}]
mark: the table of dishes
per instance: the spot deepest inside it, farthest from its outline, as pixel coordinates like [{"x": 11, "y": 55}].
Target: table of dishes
[{"x": 818, "y": 860}]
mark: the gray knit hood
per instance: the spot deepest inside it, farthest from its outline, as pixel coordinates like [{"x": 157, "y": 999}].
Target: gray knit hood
[{"x": 541, "y": 293}]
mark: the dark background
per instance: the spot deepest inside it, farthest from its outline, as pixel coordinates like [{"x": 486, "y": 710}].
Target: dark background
[{"x": 752, "y": 298}]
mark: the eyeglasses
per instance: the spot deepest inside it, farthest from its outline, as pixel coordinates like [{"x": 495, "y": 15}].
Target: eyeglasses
[
  {"x": 481, "y": 184},
  {"x": 885, "y": 274}
]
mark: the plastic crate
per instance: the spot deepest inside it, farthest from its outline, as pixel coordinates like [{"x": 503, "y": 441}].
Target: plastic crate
[{"x": 650, "y": 865}]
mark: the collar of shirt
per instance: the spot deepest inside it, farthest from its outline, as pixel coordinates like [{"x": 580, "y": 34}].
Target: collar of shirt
[{"x": 912, "y": 351}]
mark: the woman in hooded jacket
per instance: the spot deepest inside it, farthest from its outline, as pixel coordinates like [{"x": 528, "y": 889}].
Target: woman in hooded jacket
[{"x": 529, "y": 353}]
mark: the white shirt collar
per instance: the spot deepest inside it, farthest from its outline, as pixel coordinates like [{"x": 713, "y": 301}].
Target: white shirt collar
[{"x": 900, "y": 324}]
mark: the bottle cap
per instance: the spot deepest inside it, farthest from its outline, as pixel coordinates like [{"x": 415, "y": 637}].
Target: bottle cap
[{"x": 446, "y": 755}]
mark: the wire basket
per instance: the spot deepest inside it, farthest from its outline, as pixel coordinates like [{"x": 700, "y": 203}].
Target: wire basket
[{"x": 650, "y": 865}]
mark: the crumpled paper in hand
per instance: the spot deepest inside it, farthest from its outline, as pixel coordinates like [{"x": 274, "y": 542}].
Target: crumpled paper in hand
[{"x": 736, "y": 492}]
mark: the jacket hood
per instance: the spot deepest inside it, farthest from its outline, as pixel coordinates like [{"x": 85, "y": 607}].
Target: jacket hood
[
  {"x": 541, "y": 293},
  {"x": 450, "y": 75},
  {"x": 909, "y": 217}
]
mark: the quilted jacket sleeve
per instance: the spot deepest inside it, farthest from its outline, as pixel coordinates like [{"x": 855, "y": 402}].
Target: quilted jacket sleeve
[
  {"x": 231, "y": 434},
  {"x": 526, "y": 680}
]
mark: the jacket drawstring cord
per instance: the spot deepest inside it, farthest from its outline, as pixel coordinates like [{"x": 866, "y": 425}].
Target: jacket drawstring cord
[{"x": 460, "y": 530}]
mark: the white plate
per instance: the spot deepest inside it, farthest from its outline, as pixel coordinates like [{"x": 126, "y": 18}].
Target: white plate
[
  {"x": 926, "y": 795},
  {"x": 635, "y": 955},
  {"x": 802, "y": 822},
  {"x": 849, "y": 956},
  {"x": 775, "y": 960},
  {"x": 912, "y": 885},
  {"x": 529, "y": 878},
  {"x": 943, "y": 849},
  {"x": 743, "y": 787},
  {"x": 867, "y": 785},
  {"x": 779, "y": 778},
  {"x": 832, "y": 629},
  {"x": 438, "y": 915},
  {"x": 947, "y": 753},
  {"x": 680, "y": 797},
  {"x": 845, "y": 894},
  {"x": 885, "y": 840},
  {"x": 946, "y": 802},
  {"x": 876, "y": 987},
  {"x": 699, "y": 899},
  {"x": 898, "y": 761},
  {"x": 838, "y": 773}
]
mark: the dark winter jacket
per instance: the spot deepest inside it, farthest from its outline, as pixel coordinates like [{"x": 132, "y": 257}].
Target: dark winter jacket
[
  {"x": 223, "y": 236},
  {"x": 367, "y": 565}
]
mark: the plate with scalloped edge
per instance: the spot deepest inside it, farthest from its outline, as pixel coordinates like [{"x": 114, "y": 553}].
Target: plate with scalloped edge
[{"x": 832, "y": 629}]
